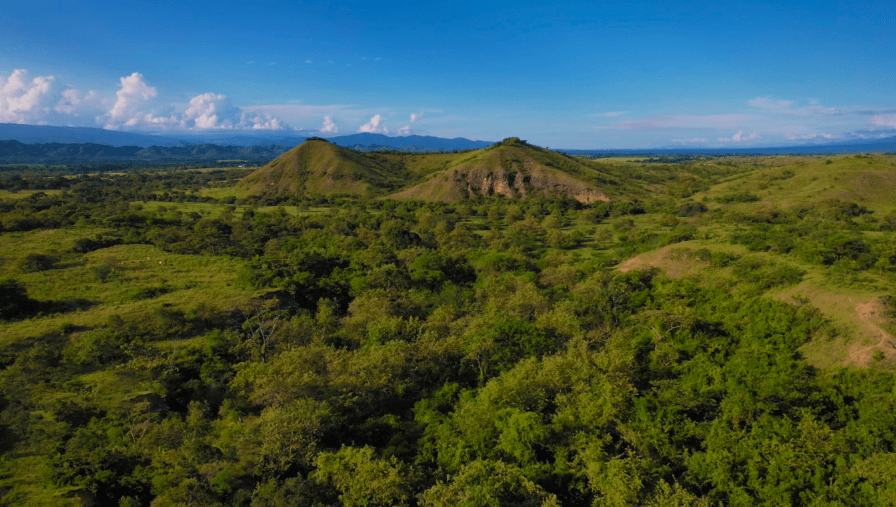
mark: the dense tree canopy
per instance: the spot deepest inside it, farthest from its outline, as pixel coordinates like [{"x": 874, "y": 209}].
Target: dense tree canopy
[{"x": 403, "y": 353}]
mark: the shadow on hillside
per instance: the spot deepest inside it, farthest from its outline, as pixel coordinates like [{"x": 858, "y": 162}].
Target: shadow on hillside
[
  {"x": 64, "y": 306},
  {"x": 69, "y": 264}
]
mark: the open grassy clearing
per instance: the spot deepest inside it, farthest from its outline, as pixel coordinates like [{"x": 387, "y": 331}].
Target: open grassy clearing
[
  {"x": 868, "y": 180},
  {"x": 17, "y": 245},
  {"x": 215, "y": 210},
  {"x": 24, "y": 194},
  {"x": 183, "y": 281}
]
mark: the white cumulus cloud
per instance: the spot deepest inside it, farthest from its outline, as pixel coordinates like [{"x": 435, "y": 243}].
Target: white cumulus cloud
[
  {"x": 739, "y": 137},
  {"x": 768, "y": 103},
  {"x": 695, "y": 140},
  {"x": 405, "y": 131},
  {"x": 77, "y": 103},
  {"x": 134, "y": 106},
  {"x": 215, "y": 111},
  {"x": 23, "y": 99},
  {"x": 211, "y": 111},
  {"x": 329, "y": 127},
  {"x": 373, "y": 126},
  {"x": 42, "y": 100},
  {"x": 261, "y": 121},
  {"x": 884, "y": 120},
  {"x": 809, "y": 137},
  {"x": 416, "y": 116}
]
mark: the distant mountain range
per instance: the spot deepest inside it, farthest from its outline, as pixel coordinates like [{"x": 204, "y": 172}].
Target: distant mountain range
[
  {"x": 44, "y": 134},
  {"x": 227, "y": 144},
  {"x": 15, "y": 152}
]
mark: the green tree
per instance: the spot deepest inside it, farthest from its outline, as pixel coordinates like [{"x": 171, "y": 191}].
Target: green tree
[
  {"x": 364, "y": 480},
  {"x": 488, "y": 483},
  {"x": 14, "y": 300}
]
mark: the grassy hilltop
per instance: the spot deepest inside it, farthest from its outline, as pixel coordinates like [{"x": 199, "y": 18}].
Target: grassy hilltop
[
  {"x": 506, "y": 326},
  {"x": 512, "y": 169}
]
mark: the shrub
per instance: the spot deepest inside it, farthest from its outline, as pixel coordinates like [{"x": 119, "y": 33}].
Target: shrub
[
  {"x": 691, "y": 208},
  {"x": 766, "y": 275},
  {"x": 101, "y": 271},
  {"x": 737, "y": 197},
  {"x": 85, "y": 245},
  {"x": 150, "y": 292},
  {"x": 33, "y": 263},
  {"x": 14, "y": 300}
]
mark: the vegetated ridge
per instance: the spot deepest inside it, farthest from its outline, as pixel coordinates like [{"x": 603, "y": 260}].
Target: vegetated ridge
[
  {"x": 320, "y": 167},
  {"x": 512, "y": 169}
]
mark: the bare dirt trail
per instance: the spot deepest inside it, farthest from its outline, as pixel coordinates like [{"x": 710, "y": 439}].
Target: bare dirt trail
[{"x": 869, "y": 315}]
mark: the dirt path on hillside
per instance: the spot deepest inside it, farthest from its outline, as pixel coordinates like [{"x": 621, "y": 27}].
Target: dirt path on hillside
[{"x": 869, "y": 314}]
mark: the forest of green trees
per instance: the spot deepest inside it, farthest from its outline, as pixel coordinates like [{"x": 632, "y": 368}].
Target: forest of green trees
[{"x": 322, "y": 351}]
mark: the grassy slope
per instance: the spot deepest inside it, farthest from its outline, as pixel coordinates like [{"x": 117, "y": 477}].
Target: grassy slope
[
  {"x": 852, "y": 300},
  {"x": 501, "y": 169},
  {"x": 318, "y": 167},
  {"x": 868, "y": 181},
  {"x": 194, "y": 280}
]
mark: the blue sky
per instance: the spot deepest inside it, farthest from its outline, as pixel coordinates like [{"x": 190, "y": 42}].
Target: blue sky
[{"x": 562, "y": 75}]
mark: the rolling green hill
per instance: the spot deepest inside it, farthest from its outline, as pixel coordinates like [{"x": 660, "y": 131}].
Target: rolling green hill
[
  {"x": 511, "y": 168},
  {"x": 319, "y": 167}
]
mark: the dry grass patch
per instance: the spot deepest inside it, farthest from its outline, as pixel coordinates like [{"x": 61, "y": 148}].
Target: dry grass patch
[
  {"x": 859, "y": 336},
  {"x": 676, "y": 261}
]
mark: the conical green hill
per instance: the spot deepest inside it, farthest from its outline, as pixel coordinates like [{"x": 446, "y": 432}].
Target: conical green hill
[
  {"x": 319, "y": 167},
  {"x": 513, "y": 169}
]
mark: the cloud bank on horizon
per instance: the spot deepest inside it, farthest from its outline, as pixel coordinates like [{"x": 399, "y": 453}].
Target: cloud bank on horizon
[
  {"x": 43, "y": 101},
  {"x": 137, "y": 107}
]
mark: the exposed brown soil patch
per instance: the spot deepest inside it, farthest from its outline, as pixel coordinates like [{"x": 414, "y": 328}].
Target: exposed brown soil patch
[
  {"x": 869, "y": 315},
  {"x": 673, "y": 260},
  {"x": 512, "y": 172}
]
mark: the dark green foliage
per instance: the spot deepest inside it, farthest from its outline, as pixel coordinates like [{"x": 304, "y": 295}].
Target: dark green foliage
[
  {"x": 393, "y": 353},
  {"x": 32, "y": 263},
  {"x": 85, "y": 245},
  {"x": 765, "y": 275},
  {"x": 102, "y": 271},
  {"x": 716, "y": 259},
  {"x": 434, "y": 269},
  {"x": 14, "y": 300},
  {"x": 839, "y": 247},
  {"x": 508, "y": 341},
  {"x": 840, "y": 210},
  {"x": 691, "y": 208},
  {"x": 737, "y": 197},
  {"x": 150, "y": 292}
]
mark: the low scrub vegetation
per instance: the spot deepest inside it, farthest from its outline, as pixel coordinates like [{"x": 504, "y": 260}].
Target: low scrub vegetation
[{"x": 165, "y": 346}]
